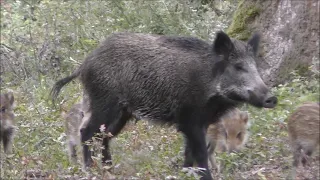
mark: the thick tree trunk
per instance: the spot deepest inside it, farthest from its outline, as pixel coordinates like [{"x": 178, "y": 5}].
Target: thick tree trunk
[{"x": 290, "y": 30}]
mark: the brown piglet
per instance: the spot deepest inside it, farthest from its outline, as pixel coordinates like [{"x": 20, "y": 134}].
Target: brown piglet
[
  {"x": 303, "y": 130},
  {"x": 228, "y": 135},
  {"x": 73, "y": 121},
  {"x": 7, "y": 128}
]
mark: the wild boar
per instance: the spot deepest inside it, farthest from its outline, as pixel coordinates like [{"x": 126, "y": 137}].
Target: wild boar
[
  {"x": 7, "y": 127},
  {"x": 73, "y": 121},
  {"x": 174, "y": 80},
  {"x": 228, "y": 135},
  {"x": 304, "y": 132}
]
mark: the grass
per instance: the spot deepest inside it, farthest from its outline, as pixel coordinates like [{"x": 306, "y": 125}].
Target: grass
[{"x": 147, "y": 151}]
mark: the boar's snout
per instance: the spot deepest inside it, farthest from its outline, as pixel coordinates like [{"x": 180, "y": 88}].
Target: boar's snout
[
  {"x": 266, "y": 100},
  {"x": 270, "y": 101},
  {"x": 233, "y": 150}
]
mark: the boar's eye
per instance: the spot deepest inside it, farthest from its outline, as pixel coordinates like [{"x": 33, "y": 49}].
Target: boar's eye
[
  {"x": 239, "y": 67},
  {"x": 239, "y": 135},
  {"x": 3, "y": 109}
]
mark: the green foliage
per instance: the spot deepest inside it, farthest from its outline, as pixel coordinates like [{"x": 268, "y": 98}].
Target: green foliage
[
  {"x": 245, "y": 13},
  {"x": 51, "y": 37},
  {"x": 42, "y": 41},
  {"x": 143, "y": 149}
]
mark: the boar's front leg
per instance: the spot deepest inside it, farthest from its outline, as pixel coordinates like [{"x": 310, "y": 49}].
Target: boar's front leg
[
  {"x": 196, "y": 143},
  {"x": 7, "y": 140}
]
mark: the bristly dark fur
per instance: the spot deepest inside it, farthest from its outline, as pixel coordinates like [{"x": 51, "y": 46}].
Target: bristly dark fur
[{"x": 170, "y": 80}]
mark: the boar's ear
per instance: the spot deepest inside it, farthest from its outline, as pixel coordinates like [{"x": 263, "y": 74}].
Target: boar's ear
[
  {"x": 254, "y": 42},
  {"x": 244, "y": 116},
  {"x": 64, "y": 114},
  {"x": 222, "y": 44},
  {"x": 10, "y": 97}
]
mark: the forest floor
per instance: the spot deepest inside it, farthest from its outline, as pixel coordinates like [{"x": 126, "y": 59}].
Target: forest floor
[{"x": 148, "y": 151}]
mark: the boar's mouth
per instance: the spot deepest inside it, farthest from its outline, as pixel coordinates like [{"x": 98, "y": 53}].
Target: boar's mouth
[
  {"x": 266, "y": 101},
  {"x": 235, "y": 97}
]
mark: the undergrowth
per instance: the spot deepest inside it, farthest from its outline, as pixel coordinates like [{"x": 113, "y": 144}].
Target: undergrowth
[{"x": 144, "y": 150}]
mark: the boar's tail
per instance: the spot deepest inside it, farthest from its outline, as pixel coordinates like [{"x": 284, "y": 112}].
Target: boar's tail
[{"x": 58, "y": 85}]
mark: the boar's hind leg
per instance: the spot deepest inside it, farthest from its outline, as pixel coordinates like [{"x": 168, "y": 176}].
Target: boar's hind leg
[
  {"x": 72, "y": 151},
  {"x": 296, "y": 160},
  {"x": 106, "y": 152},
  {"x": 307, "y": 152},
  {"x": 188, "y": 160},
  {"x": 101, "y": 113},
  {"x": 211, "y": 148},
  {"x": 86, "y": 134},
  {"x": 7, "y": 140},
  {"x": 124, "y": 116},
  {"x": 114, "y": 129},
  {"x": 296, "y": 155},
  {"x": 195, "y": 142}
]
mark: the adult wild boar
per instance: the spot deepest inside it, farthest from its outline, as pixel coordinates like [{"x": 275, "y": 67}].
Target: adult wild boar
[{"x": 175, "y": 80}]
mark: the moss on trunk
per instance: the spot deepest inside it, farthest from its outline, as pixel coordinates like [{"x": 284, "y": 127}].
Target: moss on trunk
[{"x": 245, "y": 13}]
